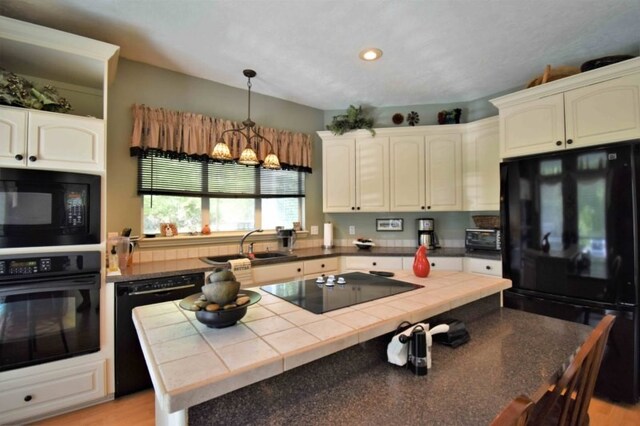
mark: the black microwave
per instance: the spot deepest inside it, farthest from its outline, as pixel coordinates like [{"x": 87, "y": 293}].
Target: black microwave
[
  {"x": 47, "y": 208},
  {"x": 482, "y": 239}
]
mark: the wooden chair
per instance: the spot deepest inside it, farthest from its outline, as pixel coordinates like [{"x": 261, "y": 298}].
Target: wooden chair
[
  {"x": 566, "y": 403},
  {"x": 516, "y": 413}
]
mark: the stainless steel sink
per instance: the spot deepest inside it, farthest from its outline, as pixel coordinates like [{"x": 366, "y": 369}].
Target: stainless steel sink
[{"x": 259, "y": 258}]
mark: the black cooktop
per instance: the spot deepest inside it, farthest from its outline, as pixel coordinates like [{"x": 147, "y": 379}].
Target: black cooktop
[{"x": 319, "y": 297}]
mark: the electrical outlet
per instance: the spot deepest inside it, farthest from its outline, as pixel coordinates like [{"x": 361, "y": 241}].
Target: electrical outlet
[
  {"x": 314, "y": 229},
  {"x": 352, "y": 230}
]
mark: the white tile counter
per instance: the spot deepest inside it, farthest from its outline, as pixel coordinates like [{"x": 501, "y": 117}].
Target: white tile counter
[{"x": 190, "y": 363}]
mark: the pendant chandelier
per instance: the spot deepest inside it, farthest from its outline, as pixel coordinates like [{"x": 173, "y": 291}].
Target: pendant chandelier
[{"x": 248, "y": 156}]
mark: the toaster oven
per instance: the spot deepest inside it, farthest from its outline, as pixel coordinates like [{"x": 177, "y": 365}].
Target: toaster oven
[{"x": 482, "y": 239}]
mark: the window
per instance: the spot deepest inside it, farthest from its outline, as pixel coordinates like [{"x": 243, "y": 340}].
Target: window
[{"x": 228, "y": 197}]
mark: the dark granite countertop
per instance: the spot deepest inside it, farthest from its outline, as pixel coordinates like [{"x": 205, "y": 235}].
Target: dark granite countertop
[
  {"x": 510, "y": 353},
  {"x": 150, "y": 270}
]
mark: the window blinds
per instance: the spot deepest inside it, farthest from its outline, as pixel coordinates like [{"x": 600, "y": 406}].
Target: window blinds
[{"x": 170, "y": 176}]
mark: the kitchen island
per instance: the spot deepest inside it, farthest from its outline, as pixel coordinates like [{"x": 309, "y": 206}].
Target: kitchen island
[{"x": 191, "y": 364}]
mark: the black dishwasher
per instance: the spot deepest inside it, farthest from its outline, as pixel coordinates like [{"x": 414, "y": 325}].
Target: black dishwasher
[{"x": 131, "y": 374}]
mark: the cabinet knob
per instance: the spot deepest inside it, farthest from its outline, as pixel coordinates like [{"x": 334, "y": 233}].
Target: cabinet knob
[
  {"x": 428, "y": 207},
  {"x": 19, "y": 157},
  {"x": 322, "y": 266},
  {"x": 353, "y": 208},
  {"x": 558, "y": 143},
  {"x": 433, "y": 264},
  {"x": 357, "y": 208},
  {"x": 32, "y": 158},
  {"x": 422, "y": 207},
  {"x": 488, "y": 267},
  {"x": 374, "y": 263},
  {"x": 299, "y": 269},
  {"x": 569, "y": 141},
  {"x": 28, "y": 398}
]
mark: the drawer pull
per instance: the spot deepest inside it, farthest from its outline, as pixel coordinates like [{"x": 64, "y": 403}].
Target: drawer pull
[
  {"x": 299, "y": 269},
  {"x": 488, "y": 267},
  {"x": 374, "y": 263},
  {"x": 433, "y": 264},
  {"x": 322, "y": 266},
  {"x": 28, "y": 398}
]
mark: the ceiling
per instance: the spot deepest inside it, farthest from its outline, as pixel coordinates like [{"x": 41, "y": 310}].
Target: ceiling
[{"x": 306, "y": 51}]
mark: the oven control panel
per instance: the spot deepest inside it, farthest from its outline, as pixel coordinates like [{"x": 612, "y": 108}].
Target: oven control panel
[
  {"x": 49, "y": 264},
  {"x": 25, "y": 266}
]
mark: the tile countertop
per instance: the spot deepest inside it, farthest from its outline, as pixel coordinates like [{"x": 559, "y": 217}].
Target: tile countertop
[
  {"x": 190, "y": 363},
  {"x": 148, "y": 270}
]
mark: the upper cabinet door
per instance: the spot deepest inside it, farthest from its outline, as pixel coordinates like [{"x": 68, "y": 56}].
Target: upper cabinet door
[
  {"x": 444, "y": 172},
  {"x": 481, "y": 168},
  {"x": 372, "y": 174},
  {"x": 338, "y": 175},
  {"x": 532, "y": 127},
  {"x": 407, "y": 180},
  {"x": 604, "y": 112},
  {"x": 13, "y": 137},
  {"x": 65, "y": 142}
]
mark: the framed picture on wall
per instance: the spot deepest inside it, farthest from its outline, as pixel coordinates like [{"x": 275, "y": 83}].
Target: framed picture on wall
[{"x": 394, "y": 225}]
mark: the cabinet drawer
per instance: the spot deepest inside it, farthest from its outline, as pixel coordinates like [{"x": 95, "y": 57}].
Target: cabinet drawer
[
  {"x": 280, "y": 272},
  {"x": 372, "y": 263},
  {"x": 319, "y": 266},
  {"x": 483, "y": 266},
  {"x": 36, "y": 395},
  {"x": 446, "y": 263}
]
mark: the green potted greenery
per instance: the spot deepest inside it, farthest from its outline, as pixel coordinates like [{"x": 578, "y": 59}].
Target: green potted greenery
[
  {"x": 354, "y": 119},
  {"x": 20, "y": 92}
]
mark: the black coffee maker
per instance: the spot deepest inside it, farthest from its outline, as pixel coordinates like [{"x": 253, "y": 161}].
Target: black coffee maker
[{"x": 417, "y": 360}]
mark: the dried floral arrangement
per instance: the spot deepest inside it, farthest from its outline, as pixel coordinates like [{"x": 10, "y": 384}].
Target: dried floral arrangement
[{"x": 20, "y": 92}]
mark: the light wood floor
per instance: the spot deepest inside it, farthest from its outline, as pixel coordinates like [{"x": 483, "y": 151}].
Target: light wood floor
[{"x": 138, "y": 410}]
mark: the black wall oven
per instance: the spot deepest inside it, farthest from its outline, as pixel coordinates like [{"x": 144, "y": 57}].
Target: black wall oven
[
  {"x": 46, "y": 208},
  {"x": 49, "y": 307}
]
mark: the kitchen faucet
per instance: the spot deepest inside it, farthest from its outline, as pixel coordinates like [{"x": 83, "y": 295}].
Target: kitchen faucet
[{"x": 244, "y": 237}]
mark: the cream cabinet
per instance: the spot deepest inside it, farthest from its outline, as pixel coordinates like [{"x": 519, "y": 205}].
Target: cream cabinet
[
  {"x": 483, "y": 266},
  {"x": 437, "y": 263},
  {"x": 321, "y": 267},
  {"x": 597, "y": 107},
  {"x": 50, "y": 141},
  {"x": 355, "y": 174},
  {"x": 426, "y": 172},
  {"x": 370, "y": 263},
  {"x": 443, "y": 172},
  {"x": 34, "y": 395},
  {"x": 13, "y": 137},
  {"x": 407, "y": 182},
  {"x": 280, "y": 272},
  {"x": 481, "y": 166}
]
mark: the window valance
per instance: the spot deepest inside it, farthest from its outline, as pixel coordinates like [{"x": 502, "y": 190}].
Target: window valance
[{"x": 175, "y": 134}]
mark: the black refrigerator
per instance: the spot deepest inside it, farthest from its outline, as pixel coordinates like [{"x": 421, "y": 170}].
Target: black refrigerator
[{"x": 570, "y": 227}]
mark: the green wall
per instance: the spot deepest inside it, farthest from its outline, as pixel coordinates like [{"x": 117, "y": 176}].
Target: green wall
[{"x": 144, "y": 84}]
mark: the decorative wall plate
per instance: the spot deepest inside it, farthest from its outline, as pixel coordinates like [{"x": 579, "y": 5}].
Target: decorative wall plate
[{"x": 413, "y": 118}]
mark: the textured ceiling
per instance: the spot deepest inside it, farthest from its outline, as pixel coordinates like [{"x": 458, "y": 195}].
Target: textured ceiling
[{"x": 306, "y": 51}]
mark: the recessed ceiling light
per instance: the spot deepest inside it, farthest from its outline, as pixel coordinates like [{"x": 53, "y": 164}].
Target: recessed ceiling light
[{"x": 370, "y": 54}]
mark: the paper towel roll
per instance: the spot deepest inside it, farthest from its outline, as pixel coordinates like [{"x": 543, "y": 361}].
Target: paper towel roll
[{"x": 328, "y": 235}]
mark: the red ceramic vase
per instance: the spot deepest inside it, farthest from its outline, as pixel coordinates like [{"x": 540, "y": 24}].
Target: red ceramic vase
[{"x": 421, "y": 267}]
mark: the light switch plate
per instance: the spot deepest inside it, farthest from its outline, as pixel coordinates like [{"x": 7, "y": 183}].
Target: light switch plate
[
  {"x": 352, "y": 230},
  {"x": 314, "y": 229}
]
